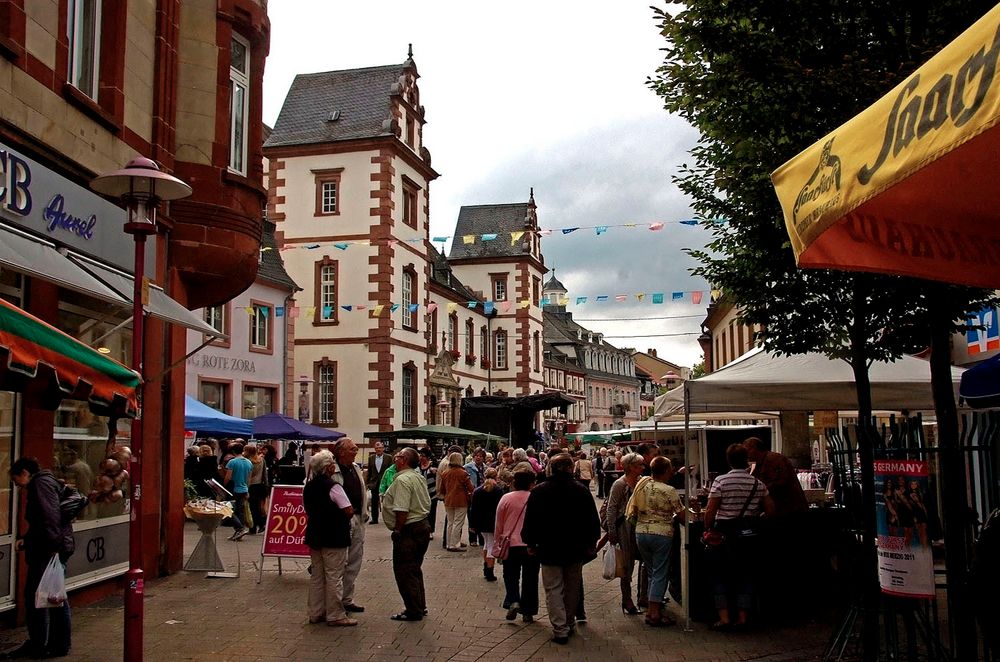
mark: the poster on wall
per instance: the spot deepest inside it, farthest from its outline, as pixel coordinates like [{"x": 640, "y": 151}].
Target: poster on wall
[
  {"x": 285, "y": 534},
  {"x": 905, "y": 562}
]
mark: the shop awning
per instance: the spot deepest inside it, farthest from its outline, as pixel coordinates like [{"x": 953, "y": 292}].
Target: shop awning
[
  {"x": 432, "y": 432},
  {"x": 37, "y": 357},
  {"x": 160, "y": 304},
  {"x": 40, "y": 259},
  {"x": 908, "y": 186}
]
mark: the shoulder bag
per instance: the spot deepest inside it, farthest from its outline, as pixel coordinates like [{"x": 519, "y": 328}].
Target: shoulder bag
[
  {"x": 713, "y": 539},
  {"x": 501, "y": 544}
]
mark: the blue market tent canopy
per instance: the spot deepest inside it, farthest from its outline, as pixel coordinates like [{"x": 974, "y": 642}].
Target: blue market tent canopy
[
  {"x": 201, "y": 418},
  {"x": 279, "y": 426}
]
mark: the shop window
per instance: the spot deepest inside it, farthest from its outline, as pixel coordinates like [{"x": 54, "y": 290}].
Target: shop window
[
  {"x": 258, "y": 400},
  {"x": 239, "y": 103},
  {"x": 8, "y": 433},
  {"x": 326, "y": 291},
  {"x": 260, "y": 327},
  {"x": 325, "y": 393},
  {"x": 327, "y": 191},
  {"x": 79, "y": 446},
  {"x": 409, "y": 394}
]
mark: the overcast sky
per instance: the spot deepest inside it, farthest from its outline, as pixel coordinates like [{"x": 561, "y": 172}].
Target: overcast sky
[{"x": 547, "y": 94}]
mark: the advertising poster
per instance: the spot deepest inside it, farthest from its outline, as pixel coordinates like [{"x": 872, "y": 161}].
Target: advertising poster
[
  {"x": 285, "y": 533},
  {"x": 905, "y": 563}
]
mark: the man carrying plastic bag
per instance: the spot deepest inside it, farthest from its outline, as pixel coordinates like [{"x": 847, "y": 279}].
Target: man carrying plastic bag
[{"x": 49, "y": 535}]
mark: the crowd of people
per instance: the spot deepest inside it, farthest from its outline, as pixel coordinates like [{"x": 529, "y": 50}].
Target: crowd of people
[{"x": 534, "y": 513}]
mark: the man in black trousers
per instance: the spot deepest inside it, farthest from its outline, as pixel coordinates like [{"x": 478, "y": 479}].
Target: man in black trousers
[{"x": 377, "y": 465}]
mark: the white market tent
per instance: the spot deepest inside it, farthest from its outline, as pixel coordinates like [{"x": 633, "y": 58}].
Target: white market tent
[{"x": 758, "y": 381}]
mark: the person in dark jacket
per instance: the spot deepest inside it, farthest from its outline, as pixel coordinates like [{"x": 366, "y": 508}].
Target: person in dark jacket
[
  {"x": 47, "y": 535},
  {"x": 483, "y": 517},
  {"x": 561, "y": 528},
  {"x": 328, "y": 537}
]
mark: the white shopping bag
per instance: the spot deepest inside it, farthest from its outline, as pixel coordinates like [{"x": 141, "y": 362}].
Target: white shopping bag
[
  {"x": 608, "y": 571},
  {"x": 52, "y": 587}
]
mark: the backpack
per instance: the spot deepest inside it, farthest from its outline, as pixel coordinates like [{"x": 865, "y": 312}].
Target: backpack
[
  {"x": 71, "y": 503},
  {"x": 603, "y": 514}
]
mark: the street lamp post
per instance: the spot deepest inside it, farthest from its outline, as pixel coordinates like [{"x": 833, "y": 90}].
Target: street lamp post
[{"x": 141, "y": 186}]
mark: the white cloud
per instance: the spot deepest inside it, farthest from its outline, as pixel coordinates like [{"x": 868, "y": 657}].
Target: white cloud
[{"x": 521, "y": 94}]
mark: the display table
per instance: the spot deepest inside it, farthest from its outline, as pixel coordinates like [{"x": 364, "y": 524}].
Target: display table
[{"x": 205, "y": 557}]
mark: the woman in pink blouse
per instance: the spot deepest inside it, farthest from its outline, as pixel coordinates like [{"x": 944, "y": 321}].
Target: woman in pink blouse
[{"x": 520, "y": 570}]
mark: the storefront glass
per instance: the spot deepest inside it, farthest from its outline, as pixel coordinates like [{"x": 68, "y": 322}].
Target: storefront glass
[
  {"x": 257, "y": 401},
  {"x": 10, "y": 290}
]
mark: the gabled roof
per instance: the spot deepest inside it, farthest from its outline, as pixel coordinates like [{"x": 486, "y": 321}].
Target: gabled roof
[
  {"x": 361, "y": 96},
  {"x": 443, "y": 276},
  {"x": 489, "y": 219}
]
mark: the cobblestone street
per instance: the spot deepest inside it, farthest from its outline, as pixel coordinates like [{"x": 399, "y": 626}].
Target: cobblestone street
[{"x": 189, "y": 617}]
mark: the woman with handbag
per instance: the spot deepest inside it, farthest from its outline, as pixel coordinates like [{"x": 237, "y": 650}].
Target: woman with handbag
[
  {"x": 520, "y": 569},
  {"x": 483, "y": 517},
  {"x": 620, "y": 531},
  {"x": 735, "y": 504},
  {"x": 653, "y": 505}
]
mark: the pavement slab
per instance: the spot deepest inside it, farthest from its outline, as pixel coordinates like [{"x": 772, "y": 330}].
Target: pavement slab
[{"x": 191, "y": 617}]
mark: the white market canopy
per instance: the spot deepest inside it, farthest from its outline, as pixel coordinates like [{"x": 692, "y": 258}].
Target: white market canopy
[{"x": 758, "y": 381}]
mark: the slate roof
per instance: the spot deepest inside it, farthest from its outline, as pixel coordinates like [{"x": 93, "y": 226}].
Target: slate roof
[
  {"x": 560, "y": 332},
  {"x": 442, "y": 275},
  {"x": 272, "y": 267},
  {"x": 488, "y": 219},
  {"x": 361, "y": 96},
  {"x": 553, "y": 284}
]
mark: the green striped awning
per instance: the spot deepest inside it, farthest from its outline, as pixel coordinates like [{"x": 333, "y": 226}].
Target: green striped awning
[{"x": 37, "y": 357}]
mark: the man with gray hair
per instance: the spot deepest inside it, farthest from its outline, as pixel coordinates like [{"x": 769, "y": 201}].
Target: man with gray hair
[
  {"x": 405, "y": 507},
  {"x": 348, "y": 475},
  {"x": 561, "y": 528}
]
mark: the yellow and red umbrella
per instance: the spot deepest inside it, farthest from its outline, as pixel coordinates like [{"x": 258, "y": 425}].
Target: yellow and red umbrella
[
  {"x": 909, "y": 186},
  {"x": 35, "y": 356}
]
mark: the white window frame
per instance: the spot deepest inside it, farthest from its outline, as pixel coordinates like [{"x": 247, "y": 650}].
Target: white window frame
[
  {"x": 260, "y": 325},
  {"x": 408, "y": 315},
  {"x": 328, "y": 196},
  {"x": 215, "y": 317},
  {"x": 500, "y": 289},
  {"x": 326, "y": 389},
  {"x": 409, "y": 388},
  {"x": 500, "y": 349},
  {"x": 452, "y": 333},
  {"x": 327, "y": 291},
  {"x": 239, "y": 116},
  {"x": 77, "y": 11}
]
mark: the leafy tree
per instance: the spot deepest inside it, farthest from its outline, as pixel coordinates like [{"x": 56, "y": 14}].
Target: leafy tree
[
  {"x": 761, "y": 81},
  {"x": 698, "y": 370}
]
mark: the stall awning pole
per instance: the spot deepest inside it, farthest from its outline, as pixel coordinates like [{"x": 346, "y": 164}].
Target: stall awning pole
[{"x": 689, "y": 492}]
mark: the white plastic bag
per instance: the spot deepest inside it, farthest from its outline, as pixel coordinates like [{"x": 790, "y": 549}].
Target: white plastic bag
[
  {"x": 52, "y": 587},
  {"x": 608, "y": 571}
]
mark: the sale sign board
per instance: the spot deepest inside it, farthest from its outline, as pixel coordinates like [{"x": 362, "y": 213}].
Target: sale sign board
[
  {"x": 285, "y": 534},
  {"x": 905, "y": 563}
]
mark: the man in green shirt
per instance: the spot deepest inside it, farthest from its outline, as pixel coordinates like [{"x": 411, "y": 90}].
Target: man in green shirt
[{"x": 405, "y": 507}]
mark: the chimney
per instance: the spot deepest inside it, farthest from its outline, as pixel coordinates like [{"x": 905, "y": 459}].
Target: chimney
[{"x": 652, "y": 352}]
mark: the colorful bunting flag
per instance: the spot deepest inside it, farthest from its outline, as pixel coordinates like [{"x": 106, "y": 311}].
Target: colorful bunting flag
[
  {"x": 657, "y": 297},
  {"x": 327, "y": 312},
  {"x": 489, "y": 237},
  {"x": 248, "y": 309},
  {"x": 469, "y": 239},
  {"x": 689, "y": 222},
  {"x": 413, "y": 307},
  {"x": 279, "y": 311},
  {"x": 377, "y": 310},
  {"x": 525, "y": 303},
  {"x": 360, "y": 306},
  {"x": 544, "y": 233},
  {"x": 452, "y": 307},
  {"x": 470, "y": 304},
  {"x": 347, "y": 308},
  {"x": 311, "y": 311},
  {"x": 514, "y": 236},
  {"x": 601, "y": 229},
  {"x": 341, "y": 245},
  {"x": 440, "y": 239},
  {"x": 393, "y": 307},
  {"x": 568, "y": 230},
  {"x": 431, "y": 307},
  {"x": 312, "y": 246},
  {"x": 581, "y": 300},
  {"x": 293, "y": 312},
  {"x": 640, "y": 296},
  {"x": 696, "y": 297},
  {"x": 656, "y": 226},
  {"x": 488, "y": 307},
  {"x": 505, "y": 306},
  {"x": 621, "y": 297},
  {"x": 676, "y": 296},
  {"x": 544, "y": 301},
  {"x": 602, "y": 298}
]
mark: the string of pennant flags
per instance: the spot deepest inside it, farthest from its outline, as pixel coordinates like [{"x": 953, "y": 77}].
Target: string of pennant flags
[
  {"x": 515, "y": 236},
  {"x": 376, "y": 310}
]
